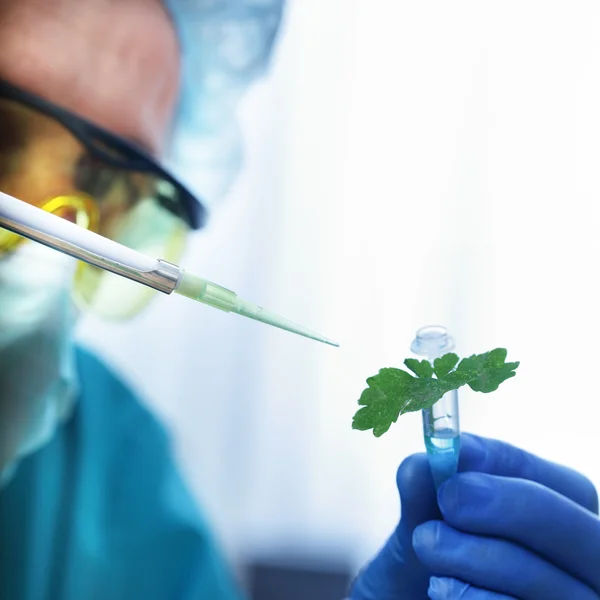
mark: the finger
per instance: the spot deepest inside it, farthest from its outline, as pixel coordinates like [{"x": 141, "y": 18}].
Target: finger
[
  {"x": 529, "y": 514},
  {"x": 497, "y": 458},
  {"x": 446, "y": 588},
  {"x": 418, "y": 498},
  {"x": 396, "y": 572},
  {"x": 494, "y": 564}
]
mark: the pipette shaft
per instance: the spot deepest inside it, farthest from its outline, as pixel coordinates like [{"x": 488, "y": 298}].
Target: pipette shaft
[{"x": 75, "y": 241}]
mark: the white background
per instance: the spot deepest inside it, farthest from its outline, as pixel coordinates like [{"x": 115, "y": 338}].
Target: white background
[{"x": 408, "y": 163}]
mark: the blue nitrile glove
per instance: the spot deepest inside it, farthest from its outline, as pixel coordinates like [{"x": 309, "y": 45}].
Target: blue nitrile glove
[
  {"x": 463, "y": 560},
  {"x": 520, "y": 526},
  {"x": 396, "y": 572}
]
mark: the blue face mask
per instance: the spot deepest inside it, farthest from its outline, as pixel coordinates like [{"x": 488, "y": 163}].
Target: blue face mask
[{"x": 37, "y": 375}]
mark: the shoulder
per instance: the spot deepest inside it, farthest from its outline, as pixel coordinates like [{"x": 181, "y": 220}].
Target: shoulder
[
  {"x": 124, "y": 440},
  {"x": 120, "y": 443},
  {"x": 109, "y": 404},
  {"x": 155, "y": 528}
]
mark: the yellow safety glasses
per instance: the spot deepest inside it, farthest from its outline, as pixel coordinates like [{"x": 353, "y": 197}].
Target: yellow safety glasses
[
  {"x": 146, "y": 228},
  {"x": 69, "y": 167}
]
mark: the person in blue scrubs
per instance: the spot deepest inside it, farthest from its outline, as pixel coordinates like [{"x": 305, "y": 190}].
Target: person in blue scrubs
[{"x": 92, "y": 93}]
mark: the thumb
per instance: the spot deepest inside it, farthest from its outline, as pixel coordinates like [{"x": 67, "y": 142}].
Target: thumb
[
  {"x": 396, "y": 571},
  {"x": 418, "y": 498}
]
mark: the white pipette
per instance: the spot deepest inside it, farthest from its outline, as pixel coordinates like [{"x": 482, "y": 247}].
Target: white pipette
[{"x": 71, "y": 239}]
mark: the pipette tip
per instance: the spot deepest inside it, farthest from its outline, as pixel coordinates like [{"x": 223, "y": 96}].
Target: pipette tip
[
  {"x": 253, "y": 311},
  {"x": 227, "y": 300}
]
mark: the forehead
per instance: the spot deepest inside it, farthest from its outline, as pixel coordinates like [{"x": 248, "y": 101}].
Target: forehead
[{"x": 114, "y": 62}]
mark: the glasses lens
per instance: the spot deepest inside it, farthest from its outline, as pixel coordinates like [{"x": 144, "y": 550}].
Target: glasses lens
[{"x": 43, "y": 163}]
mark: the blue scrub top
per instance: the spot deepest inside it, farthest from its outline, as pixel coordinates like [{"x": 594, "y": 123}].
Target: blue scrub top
[{"x": 101, "y": 513}]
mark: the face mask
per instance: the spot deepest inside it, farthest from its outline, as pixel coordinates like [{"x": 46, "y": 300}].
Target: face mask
[{"x": 37, "y": 374}]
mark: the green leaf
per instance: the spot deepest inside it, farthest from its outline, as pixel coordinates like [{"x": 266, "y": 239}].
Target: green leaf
[
  {"x": 457, "y": 379},
  {"x": 425, "y": 393},
  {"x": 383, "y": 400},
  {"x": 488, "y": 370},
  {"x": 421, "y": 368},
  {"x": 443, "y": 365},
  {"x": 393, "y": 392}
]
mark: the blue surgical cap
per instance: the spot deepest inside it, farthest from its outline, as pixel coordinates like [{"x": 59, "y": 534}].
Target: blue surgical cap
[{"x": 225, "y": 44}]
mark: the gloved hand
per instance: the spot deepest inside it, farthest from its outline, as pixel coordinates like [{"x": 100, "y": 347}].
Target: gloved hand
[
  {"x": 396, "y": 572},
  {"x": 514, "y": 526},
  {"x": 518, "y": 526}
]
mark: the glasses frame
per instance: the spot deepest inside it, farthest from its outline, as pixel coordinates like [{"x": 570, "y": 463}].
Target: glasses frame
[{"x": 95, "y": 139}]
